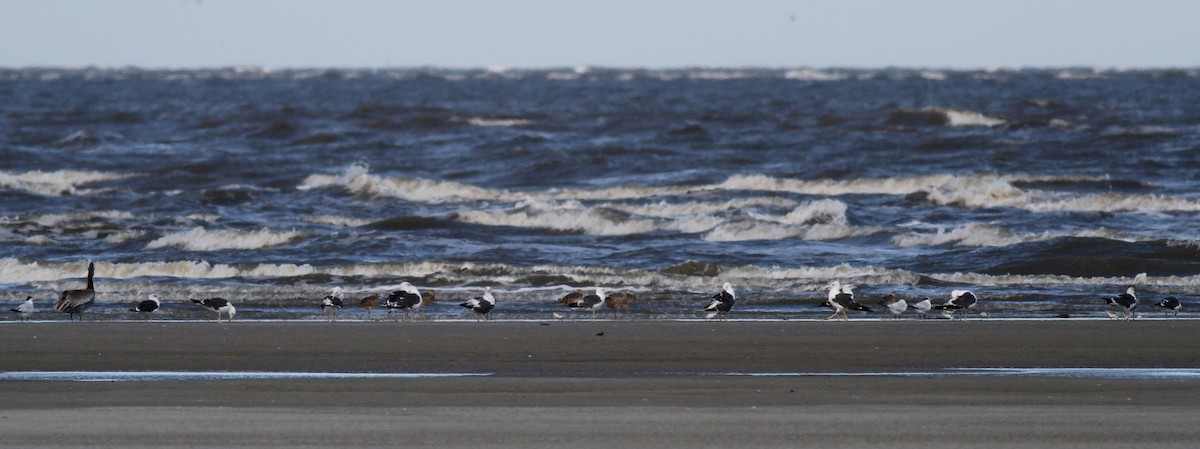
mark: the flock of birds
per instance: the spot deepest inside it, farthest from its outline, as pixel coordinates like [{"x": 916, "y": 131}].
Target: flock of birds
[{"x": 409, "y": 299}]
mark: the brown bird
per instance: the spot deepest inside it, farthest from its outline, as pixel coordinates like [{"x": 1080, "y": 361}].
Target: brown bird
[
  {"x": 370, "y": 303},
  {"x": 76, "y": 301},
  {"x": 570, "y": 298},
  {"x": 428, "y": 296},
  {"x": 619, "y": 301}
]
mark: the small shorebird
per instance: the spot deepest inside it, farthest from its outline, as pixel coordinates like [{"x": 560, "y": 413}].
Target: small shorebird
[
  {"x": 428, "y": 297},
  {"x": 1171, "y": 303},
  {"x": 894, "y": 304},
  {"x": 219, "y": 305},
  {"x": 407, "y": 298},
  {"x": 841, "y": 298},
  {"x": 332, "y": 303},
  {"x": 76, "y": 301},
  {"x": 1124, "y": 302},
  {"x": 959, "y": 300},
  {"x": 481, "y": 305},
  {"x": 721, "y": 303},
  {"x": 619, "y": 301},
  {"x": 370, "y": 302},
  {"x": 147, "y": 307},
  {"x": 25, "y": 309}
]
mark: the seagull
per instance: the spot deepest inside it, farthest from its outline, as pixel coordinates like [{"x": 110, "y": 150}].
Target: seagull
[
  {"x": 1170, "y": 303},
  {"x": 370, "y": 302},
  {"x": 1125, "y": 302},
  {"x": 721, "y": 303},
  {"x": 219, "y": 305},
  {"x": 841, "y": 298},
  {"x": 959, "y": 299},
  {"x": 619, "y": 301},
  {"x": 894, "y": 304},
  {"x": 25, "y": 309},
  {"x": 593, "y": 302},
  {"x": 481, "y": 304},
  {"x": 147, "y": 307},
  {"x": 332, "y": 303},
  {"x": 407, "y": 298},
  {"x": 76, "y": 301},
  {"x": 923, "y": 306}
]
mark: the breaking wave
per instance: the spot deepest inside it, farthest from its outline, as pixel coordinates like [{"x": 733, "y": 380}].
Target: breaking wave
[
  {"x": 61, "y": 182},
  {"x": 200, "y": 239}
]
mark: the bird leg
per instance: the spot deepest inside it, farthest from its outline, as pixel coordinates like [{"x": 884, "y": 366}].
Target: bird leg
[{"x": 831, "y": 316}]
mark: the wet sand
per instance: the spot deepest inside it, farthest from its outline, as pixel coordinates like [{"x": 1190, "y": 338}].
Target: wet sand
[{"x": 603, "y": 384}]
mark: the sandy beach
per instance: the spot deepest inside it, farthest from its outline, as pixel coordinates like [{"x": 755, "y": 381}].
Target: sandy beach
[{"x": 604, "y": 384}]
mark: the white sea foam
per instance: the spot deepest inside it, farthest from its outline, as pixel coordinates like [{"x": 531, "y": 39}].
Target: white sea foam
[
  {"x": 970, "y": 118},
  {"x": 978, "y": 234},
  {"x": 61, "y": 182},
  {"x": 497, "y": 122},
  {"x": 337, "y": 220},
  {"x": 200, "y": 239}
]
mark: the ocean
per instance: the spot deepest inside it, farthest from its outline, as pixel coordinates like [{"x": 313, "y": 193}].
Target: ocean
[{"x": 1041, "y": 190}]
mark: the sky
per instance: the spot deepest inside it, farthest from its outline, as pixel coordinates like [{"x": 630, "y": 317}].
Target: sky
[{"x": 601, "y": 33}]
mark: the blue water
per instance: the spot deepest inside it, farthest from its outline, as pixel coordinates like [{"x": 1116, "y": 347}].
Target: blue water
[{"x": 1040, "y": 190}]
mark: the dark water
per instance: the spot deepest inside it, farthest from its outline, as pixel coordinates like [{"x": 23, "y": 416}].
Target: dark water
[{"x": 1041, "y": 190}]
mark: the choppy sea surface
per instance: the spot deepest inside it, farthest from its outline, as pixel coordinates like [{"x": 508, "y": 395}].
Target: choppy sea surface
[{"x": 1040, "y": 190}]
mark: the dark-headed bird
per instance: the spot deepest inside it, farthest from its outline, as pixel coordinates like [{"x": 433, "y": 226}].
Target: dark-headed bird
[
  {"x": 1171, "y": 303},
  {"x": 1125, "y": 302},
  {"x": 841, "y": 297},
  {"x": 407, "y": 298},
  {"x": 481, "y": 304},
  {"x": 923, "y": 306},
  {"x": 147, "y": 307},
  {"x": 721, "y": 303},
  {"x": 219, "y": 305},
  {"x": 76, "y": 301},
  {"x": 894, "y": 304},
  {"x": 332, "y": 303},
  {"x": 591, "y": 302},
  {"x": 959, "y": 300},
  {"x": 25, "y": 309},
  {"x": 619, "y": 301}
]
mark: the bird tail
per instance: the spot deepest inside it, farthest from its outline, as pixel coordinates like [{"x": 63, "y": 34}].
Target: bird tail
[{"x": 860, "y": 307}]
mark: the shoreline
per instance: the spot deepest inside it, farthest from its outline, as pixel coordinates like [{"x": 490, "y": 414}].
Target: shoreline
[{"x": 593, "y": 384}]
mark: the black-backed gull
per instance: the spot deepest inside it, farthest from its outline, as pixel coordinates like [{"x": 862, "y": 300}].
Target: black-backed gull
[
  {"x": 407, "y": 298},
  {"x": 721, "y": 303},
  {"x": 219, "y": 305},
  {"x": 959, "y": 300},
  {"x": 147, "y": 306},
  {"x": 841, "y": 299},
  {"x": 481, "y": 305},
  {"x": 1171, "y": 303},
  {"x": 1124, "y": 302}
]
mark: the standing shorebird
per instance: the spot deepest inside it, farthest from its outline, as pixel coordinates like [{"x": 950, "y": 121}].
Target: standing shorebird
[
  {"x": 332, "y": 303},
  {"x": 407, "y": 298},
  {"x": 721, "y": 303},
  {"x": 619, "y": 301},
  {"x": 588, "y": 302},
  {"x": 25, "y": 309},
  {"x": 841, "y": 299},
  {"x": 959, "y": 300},
  {"x": 1172, "y": 304},
  {"x": 370, "y": 303},
  {"x": 923, "y": 306},
  {"x": 481, "y": 305},
  {"x": 894, "y": 304},
  {"x": 147, "y": 307},
  {"x": 1124, "y": 302},
  {"x": 76, "y": 301},
  {"x": 219, "y": 305}
]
